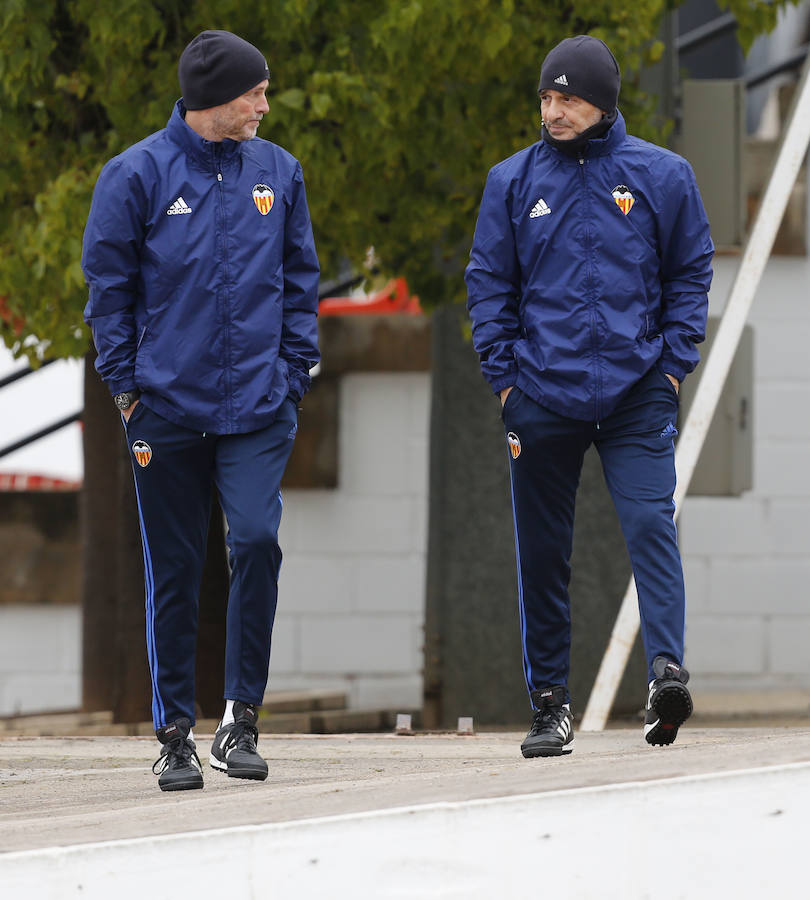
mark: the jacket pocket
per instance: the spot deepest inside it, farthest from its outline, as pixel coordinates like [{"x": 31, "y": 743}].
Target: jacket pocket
[
  {"x": 511, "y": 399},
  {"x": 135, "y": 416},
  {"x": 280, "y": 383},
  {"x": 143, "y": 358},
  {"x": 663, "y": 376}
]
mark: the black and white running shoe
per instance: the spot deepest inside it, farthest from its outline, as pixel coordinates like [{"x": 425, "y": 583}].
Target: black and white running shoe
[
  {"x": 234, "y": 747},
  {"x": 669, "y": 704},
  {"x": 178, "y": 765},
  {"x": 552, "y": 731}
]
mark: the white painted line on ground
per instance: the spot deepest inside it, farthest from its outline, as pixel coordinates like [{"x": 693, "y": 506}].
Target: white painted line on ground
[{"x": 740, "y": 834}]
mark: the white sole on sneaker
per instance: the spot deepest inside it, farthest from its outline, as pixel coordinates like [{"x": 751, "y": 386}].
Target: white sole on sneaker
[{"x": 217, "y": 763}]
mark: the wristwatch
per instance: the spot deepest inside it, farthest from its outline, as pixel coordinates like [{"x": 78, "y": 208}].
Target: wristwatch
[{"x": 125, "y": 400}]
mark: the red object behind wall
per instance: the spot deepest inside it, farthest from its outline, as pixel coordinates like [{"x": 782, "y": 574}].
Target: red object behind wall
[{"x": 393, "y": 298}]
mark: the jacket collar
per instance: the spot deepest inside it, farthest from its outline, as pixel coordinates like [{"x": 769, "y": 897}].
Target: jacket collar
[
  {"x": 599, "y": 146},
  {"x": 208, "y": 153}
]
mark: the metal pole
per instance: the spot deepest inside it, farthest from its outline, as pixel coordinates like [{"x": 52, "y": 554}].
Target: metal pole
[
  {"x": 22, "y": 373},
  {"x": 757, "y": 250},
  {"x": 43, "y": 432}
]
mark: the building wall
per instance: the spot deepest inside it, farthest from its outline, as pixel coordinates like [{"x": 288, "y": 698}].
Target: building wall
[
  {"x": 40, "y": 658},
  {"x": 747, "y": 559},
  {"x": 40, "y": 619},
  {"x": 351, "y": 608},
  {"x": 351, "y": 603},
  {"x": 351, "y": 592}
]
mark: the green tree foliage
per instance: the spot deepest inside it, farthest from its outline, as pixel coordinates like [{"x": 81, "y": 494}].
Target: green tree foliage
[{"x": 396, "y": 109}]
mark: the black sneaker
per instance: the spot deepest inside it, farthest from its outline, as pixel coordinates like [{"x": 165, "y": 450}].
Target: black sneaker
[
  {"x": 669, "y": 704},
  {"x": 234, "y": 747},
  {"x": 180, "y": 768},
  {"x": 552, "y": 731}
]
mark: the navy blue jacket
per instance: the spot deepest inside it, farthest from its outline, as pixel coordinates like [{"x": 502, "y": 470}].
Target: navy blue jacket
[
  {"x": 584, "y": 273},
  {"x": 203, "y": 278}
]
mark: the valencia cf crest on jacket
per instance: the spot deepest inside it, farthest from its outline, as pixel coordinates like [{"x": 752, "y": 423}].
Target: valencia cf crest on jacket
[
  {"x": 263, "y": 197},
  {"x": 624, "y": 199},
  {"x": 514, "y": 444},
  {"x": 142, "y": 453}
]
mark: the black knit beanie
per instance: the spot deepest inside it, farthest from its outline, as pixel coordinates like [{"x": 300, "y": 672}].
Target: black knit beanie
[
  {"x": 585, "y": 67},
  {"x": 216, "y": 67}
]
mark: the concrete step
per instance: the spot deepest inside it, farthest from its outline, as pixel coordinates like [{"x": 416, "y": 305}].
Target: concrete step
[
  {"x": 302, "y": 701},
  {"x": 57, "y": 724},
  {"x": 283, "y": 712}
]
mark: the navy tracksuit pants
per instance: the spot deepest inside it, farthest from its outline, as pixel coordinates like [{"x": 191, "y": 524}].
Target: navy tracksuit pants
[
  {"x": 175, "y": 471},
  {"x": 635, "y": 445}
]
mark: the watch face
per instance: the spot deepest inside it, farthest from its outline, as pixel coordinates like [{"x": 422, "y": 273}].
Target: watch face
[{"x": 122, "y": 401}]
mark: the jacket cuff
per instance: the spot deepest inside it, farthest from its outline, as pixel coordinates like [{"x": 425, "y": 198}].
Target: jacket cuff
[
  {"x": 122, "y": 386},
  {"x": 504, "y": 381},
  {"x": 298, "y": 385},
  {"x": 671, "y": 367}
]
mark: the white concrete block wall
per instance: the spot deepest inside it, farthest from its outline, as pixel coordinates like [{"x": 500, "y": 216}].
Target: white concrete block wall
[
  {"x": 40, "y": 654},
  {"x": 351, "y": 604},
  {"x": 351, "y": 592},
  {"x": 747, "y": 559}
]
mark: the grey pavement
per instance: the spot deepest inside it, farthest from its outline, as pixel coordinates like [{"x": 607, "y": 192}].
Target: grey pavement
[{"x": 63, "y": 791}]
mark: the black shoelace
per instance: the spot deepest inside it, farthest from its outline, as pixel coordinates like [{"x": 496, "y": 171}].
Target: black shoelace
[
  {"x": 547, "y": 719},
  {"x": 175, "y": 755},
  {"x": 244, "y": 736}
]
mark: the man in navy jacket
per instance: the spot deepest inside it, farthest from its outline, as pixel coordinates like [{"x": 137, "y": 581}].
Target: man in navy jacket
[
  {"x": 587, "y": 287},
  {"x": 203, "y": 280}
]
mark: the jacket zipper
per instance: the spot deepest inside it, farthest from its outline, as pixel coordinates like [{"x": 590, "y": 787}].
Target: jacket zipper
[
  {"x": 592, "y": 305},
  {"x": 225, "y": 296}
]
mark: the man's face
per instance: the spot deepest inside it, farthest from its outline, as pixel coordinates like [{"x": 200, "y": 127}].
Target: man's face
[
  {"x": 239, "y": 118},
  {"x": 566, "y": 116}
]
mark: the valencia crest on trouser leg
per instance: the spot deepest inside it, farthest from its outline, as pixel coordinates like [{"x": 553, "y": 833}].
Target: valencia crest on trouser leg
[
  {"x": 514, "y": 444},
  {"x": 142, "y": 452}
]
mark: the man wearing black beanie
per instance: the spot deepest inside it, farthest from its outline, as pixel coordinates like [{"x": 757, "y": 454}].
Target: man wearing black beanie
[
  {"x": 223, "y": 80},
  {"x": 203, "y": 279},
  {"x": 587, "y": 289}
]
